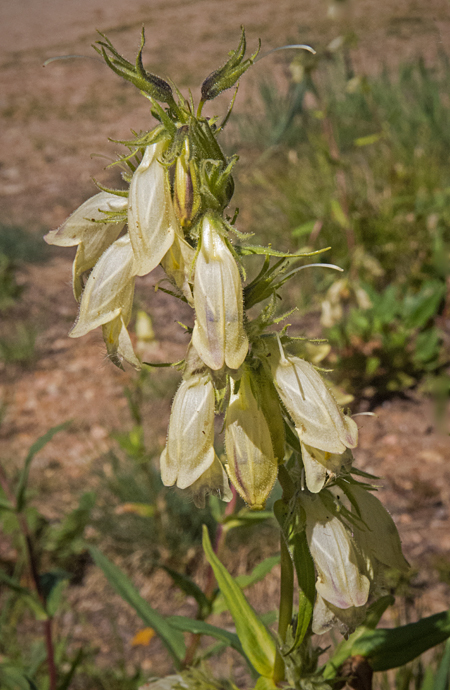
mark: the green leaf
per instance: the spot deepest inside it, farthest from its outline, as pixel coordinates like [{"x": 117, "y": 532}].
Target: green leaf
[
  {"x": 304, "y": 229},
  {"x": 6, "y": 505},
  {"x": 196, "y": 627},
  {"x": 369, "y": 139},
  {"x": 306, "y": 577},
  {"x": 67, "y": 678},
  {"x": 35, "y": 448},
  {"x": 189, "y": 587},
  {"x": 345, "y": 648},
  {"x": 442, "y": 678},
  {"x": 12, "y": 678},
  {"x": 257, "y": 642},
  {"x": 27, "y": 595},
  {"x": 244, "y": 581},
  {"x": 265, "y": 684},
  {"x": 391, "y": 647},
  {"x": 172, "y": 639},
  {"x": 246, "y": 518},
  {"x": 52, "y": 585}
]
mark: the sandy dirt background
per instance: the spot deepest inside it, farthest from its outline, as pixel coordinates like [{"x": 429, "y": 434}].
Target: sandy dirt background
[{"x": 52, "y": 120}]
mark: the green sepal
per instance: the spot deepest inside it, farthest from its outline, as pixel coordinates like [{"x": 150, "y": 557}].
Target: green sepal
[
  {"x": 256, "y": 641},
  {"x": 148, "y": 83},
  {"x": 225, "y": 77}
]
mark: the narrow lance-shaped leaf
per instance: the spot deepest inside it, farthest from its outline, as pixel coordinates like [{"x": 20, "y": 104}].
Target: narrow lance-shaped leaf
[
  {"x": 255, "y": 639},
  {"x": 172, "y": 639}
]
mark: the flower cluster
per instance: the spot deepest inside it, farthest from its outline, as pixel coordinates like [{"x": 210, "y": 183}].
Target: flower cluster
[{"x": 277, "y": 408}]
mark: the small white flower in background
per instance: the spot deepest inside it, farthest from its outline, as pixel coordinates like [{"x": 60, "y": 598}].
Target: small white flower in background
[
  {"x": 251, "y": 463},
  {"x": 340, "y": 581},
  {"x": 319, "y": 421},
  {"x": 151, "y": 218},
  {"x": 189, "y": 450},
  {"x": 84, "y": 230},
  {"x": 219, "y": 336}
]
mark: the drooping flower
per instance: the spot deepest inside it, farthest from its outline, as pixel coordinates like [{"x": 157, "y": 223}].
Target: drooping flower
[
  {"x": 324, "y": 431},
  {"x": 189, "y": 450},
  {"x": 151, "y": 218},
  {"x": 107, "y": 300},
  {"x": 251, "y": 463},
  {"x": 88, "y": 229},
  {"x": 219, "y": 335},
  {"x": 340, "y": 577}
]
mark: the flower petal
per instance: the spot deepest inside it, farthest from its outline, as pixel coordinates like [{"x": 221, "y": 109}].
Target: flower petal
[
  {"x": 151, "y": 218},
  {"x": 118, "y": 343},
  {"x": 213, "y": 481},
  {"x": 189, "y": 450},
  {"x": 109, "y": 289},
  {"x": 219, "y": 335}
]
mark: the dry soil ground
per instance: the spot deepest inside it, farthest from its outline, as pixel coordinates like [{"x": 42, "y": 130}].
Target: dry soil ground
[{"x": 52, "y": 119}]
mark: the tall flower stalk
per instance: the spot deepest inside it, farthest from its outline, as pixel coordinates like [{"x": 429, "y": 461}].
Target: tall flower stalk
[{"x": 280, "y": 417}]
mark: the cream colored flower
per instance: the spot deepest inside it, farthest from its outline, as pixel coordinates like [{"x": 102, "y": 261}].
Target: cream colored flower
[
  {"x": 219, "y": 335},
  {"x": 107, "y": 301},
  {"x": 251, "y": 465},
  {"x": 83, "y": 229},
  {"x": 319, "y": 421},
  {"x": 189, "y": 450},
  {"x": 339, "y": 578},
  {"x": 327, "y": 616},
  {"x": 151, "y": 217},
  {"x": 109, "y": 289}
]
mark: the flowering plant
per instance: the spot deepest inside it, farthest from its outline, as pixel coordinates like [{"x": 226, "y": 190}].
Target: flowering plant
[{"x": 281, "y": 419}]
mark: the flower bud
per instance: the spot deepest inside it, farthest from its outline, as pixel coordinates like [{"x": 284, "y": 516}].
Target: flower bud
[
  {"x": 83, "y": 229},
  {"x": 151, "y": 218},
  {"x": 318, "y": 419},
  {"x": 186, "y": 197},
  {"x": 252, "y": 466},
  {"x": 339, "y": 580},
  {"x": 189, "y": 450},
  {"x": 219, "y": 336}
]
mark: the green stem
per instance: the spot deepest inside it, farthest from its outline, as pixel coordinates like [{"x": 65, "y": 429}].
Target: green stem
[
  {"x": 287, "y": 579},
  {"x": 286, "y": 603}
]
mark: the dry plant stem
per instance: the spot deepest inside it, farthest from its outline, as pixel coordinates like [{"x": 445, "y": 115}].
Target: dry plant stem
[
  {"x": 286, "y": 580},
  {"x": 33, "y": 568},
  {"x": 210, "y": 580}
]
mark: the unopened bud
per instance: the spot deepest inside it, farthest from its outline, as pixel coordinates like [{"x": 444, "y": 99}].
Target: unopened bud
[{"x": 186, "y": 196}]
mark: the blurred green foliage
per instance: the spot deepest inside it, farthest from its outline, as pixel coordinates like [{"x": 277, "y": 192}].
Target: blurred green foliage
[{"x": 360, "y": 164}]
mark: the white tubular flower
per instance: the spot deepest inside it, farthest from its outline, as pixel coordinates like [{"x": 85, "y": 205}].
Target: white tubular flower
[
  {"x": 151, "y": 218},
  {"x": 320, "y": 466},
  {"x": 339, "y": 580},
  {"x": 189, "y": 450},
  {"x": 379, "y": 542},
  {"x": 219, "y": 335},
  {"x": 213, "y": 481},
  {"x": 109, "y": 290},
  {"x": 83, "y": 230},
  {"x": 252, "y": 466},
  {"x": 178, "y": 263},
  {"x": 318, "y": 419}
]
